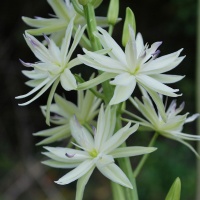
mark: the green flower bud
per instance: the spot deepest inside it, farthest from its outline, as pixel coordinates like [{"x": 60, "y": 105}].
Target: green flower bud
[
  {"x": 175, "y": 190},
  {"x": 96, "y": 3},
  {"x": 113, "y": 12},
  {"x": 129, "y": 21},
  {"x": 84, "y": 2}
]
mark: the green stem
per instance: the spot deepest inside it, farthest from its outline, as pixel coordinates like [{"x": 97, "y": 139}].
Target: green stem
[
  {"x": 198, "y": 98},
  {"x": 94, "y": 91},
  {"x": 125, "y": 164},
  {"x": 144, "y": 158},
  {"x": 110, "y": 29},
  {"x": 117, "y": 191},
  {"x": 96, "y": 45},
  {"x": 91, "y": 26}
]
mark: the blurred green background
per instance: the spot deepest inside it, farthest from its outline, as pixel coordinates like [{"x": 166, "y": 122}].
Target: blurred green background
[{"x": 22, "y": 176}]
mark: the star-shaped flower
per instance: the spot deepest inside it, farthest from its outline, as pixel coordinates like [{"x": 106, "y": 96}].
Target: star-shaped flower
[
  {"x": 54, "y": 65},
  {"x": 98, "y": 150},
  {"x": 62, "y": 111},
  {"x": 170, "y": 124},
  {"x": 138, "y": 64}
]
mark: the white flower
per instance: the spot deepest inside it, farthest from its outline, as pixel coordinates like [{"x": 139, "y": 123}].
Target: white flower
[
  {"x": 98, "y": 151},
  {"x": 54, "y": 65},
  {"x": 56, "y": 26},
  {"x": 138, "y": 64},
  {"x": 169, "y": 124},
  {"x": 62, "y": 111}
]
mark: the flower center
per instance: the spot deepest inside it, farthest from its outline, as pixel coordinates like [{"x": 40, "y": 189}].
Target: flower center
[{"x": 93, "y": 153}]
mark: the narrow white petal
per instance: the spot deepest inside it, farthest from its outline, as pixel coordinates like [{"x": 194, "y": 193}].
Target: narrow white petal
[
  {"x": 147, "y": 81},
  {"x": 122, "y": 93},
  {"x": 60, "y": 152},
  {"x": 192, "y": 118},
  {"x": 131, "y": 151},
  {"x": 60, "y": 9},
  {"x": 76, "y": 173},
  {"x": 108, "y": 42},
  {"x": 77, "y": 38},
  {"x": 92, "y": 63},
  {"x": 131, "y": 51},
  {"x": 104, "y": 129},
  {"x": 38, "y": 87},
  {"x": 101, "y": 123},
  {"x": 46, "y": 87},
  {"x": 40, "y": 51},
  {"x": 57, "y": 164},
  {"x": 95, "y": 81},
  {"x": 67, "y": 80},
  {"x": 163, "y": 64},
  {"x": 167, "y": 78},
  {"x": 73, "y": 62},
  {"x": 34, "y": 75},
  {"x": 115, "y": 174},
  {"x": 66, "y": 41},
  {"x": 185, "y": 136},
  {"x": 119, "y": 137},
  {"x": 139, "y": 43},
  {"x": 124, "y": 79},
  {"x": 105, "y": 60},
  {"x": 81, "y": 135}
]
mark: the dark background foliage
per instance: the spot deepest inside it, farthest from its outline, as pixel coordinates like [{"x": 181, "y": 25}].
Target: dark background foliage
[{"x": 22, "y": 175}]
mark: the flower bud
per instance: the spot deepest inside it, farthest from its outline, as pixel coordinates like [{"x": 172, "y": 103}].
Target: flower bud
[
  {"x": 96, "y": 3},
  {"x": 84, "y": 2},
  {"x": 175, "y": 190},
  {"x": 129, "y": 21},
  {"x": 113, "y": 12}
]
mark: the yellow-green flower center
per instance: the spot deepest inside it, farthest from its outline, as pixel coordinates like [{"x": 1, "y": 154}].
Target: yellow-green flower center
[{"x": 93, "y": 153}]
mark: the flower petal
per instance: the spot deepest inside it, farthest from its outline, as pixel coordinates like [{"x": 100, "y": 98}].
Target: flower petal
[
  {"x": 119, "y": 137},
  {"x": 131, "y": 151},
  {"x": 108, "y": 42},
  {"x": 167, "y": 78},
  {"x": 115, "y": 174},
  {"x": 124, "y": 79},
  {"x": 67, "y": 80},
  {"x": 76, "y": 173},
  {"x": 62, "y": 153},
  {"x": 122, "y": 93},
  {"x": 81, "y": 135},
  {"x": 147, "y": 81}
]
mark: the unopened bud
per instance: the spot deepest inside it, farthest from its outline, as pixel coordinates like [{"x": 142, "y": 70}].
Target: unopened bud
[
  {"x": 84, "y": 2},
  {"x": 129, "y": 21},
  {"x": 96, "y": 3},
  {"x": 175, "y": 191},
  {"x": 113, "y": 12}
]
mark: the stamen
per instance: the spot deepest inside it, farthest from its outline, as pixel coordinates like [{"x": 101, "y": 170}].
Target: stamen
[
  {"x": 70, "y": 155},
  {"x": 155, "y": 54}
]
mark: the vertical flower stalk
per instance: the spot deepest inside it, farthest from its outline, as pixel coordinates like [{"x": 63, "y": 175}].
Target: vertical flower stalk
[{"x": 198, "y": 98}]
